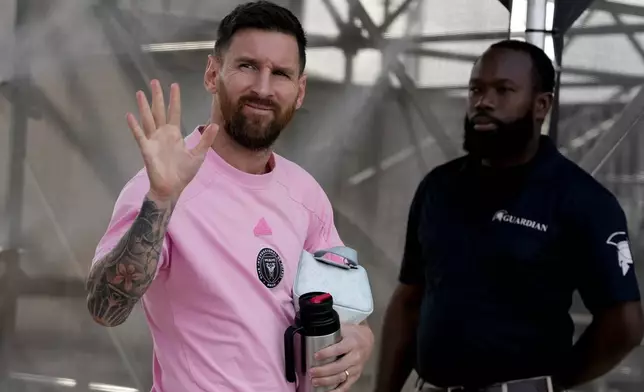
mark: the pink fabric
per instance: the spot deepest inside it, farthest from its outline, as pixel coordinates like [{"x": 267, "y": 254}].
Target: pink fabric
[{"x": 215, "y": 325}]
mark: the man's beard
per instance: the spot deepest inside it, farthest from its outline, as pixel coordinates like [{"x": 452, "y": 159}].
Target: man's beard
[
  {"x": 253, "y": 132},
  {"x": 508, "y": 140}
]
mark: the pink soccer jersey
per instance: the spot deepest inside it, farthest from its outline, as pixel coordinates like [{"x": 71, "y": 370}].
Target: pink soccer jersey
[{"x": 222, "y": 297}]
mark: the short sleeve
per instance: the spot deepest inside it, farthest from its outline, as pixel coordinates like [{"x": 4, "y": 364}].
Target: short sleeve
[
  {"x": 126, "y": 209},
  {"x": 605, "y": 270},
  {"x": 412, "y": 270},
  {"x": 322, "y": 232}
]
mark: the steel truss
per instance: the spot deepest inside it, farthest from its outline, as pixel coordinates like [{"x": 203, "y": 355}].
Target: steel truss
[
  {"x": 9, "y": 256},
  {"x": 629, "y": 118}
]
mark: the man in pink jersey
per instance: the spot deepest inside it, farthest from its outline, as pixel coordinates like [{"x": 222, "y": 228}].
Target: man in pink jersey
[{"x": 209, "y": 234}]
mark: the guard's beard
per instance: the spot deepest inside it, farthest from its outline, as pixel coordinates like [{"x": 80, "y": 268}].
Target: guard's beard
[{"x": 506, "y": 141}]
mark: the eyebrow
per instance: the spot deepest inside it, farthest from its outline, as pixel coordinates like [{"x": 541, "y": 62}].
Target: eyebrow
[
  {"x": 494, "y": 81},
  {"x": 244, "y": 59}
]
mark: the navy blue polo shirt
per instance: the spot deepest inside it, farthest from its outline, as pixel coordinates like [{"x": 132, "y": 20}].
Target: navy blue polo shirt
[{"x": 500, "y": 253}]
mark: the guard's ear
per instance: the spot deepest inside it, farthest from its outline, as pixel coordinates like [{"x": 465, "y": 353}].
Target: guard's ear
[{"x": 542, "y": 105}]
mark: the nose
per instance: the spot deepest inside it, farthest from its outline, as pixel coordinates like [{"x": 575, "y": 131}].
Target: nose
[
  {"x": 262, "y": 83},
  {"x": 485, "y": 101}
]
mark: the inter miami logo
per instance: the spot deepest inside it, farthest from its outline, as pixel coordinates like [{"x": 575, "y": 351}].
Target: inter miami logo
[
  {"x": 270, "y": 269},
  {"x": 620, "y": 241}
]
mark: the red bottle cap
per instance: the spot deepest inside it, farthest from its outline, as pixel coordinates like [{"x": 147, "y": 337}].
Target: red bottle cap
[{"x": 318, "y": 299}]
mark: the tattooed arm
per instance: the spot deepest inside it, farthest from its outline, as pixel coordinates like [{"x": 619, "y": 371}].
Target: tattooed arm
[{"x": 119, "y": 279}]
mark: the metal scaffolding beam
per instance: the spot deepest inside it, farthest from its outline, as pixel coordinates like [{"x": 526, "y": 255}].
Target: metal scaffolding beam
[
  {"x": 398, "y": 69},
  {"x": 608, "y": 142},
  {"x": 604, "y": 76},
  {"x": 9, "y": 252},
  {"x": 138, "y": 67},
  {"x": 28, "y": 100},
  {"x": 536, "y": 22},
  {"x": 391, "y": 17},
  {"x": 618, "y": 7},
  {"x": 324, "y": 41},
  {"x": 603, "y": 149},
  {"x": 617, "y": 17}
]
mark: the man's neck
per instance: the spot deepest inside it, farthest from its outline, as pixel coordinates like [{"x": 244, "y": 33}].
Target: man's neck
[
  {"x": 252, "y": 162},
  {"x": 517, "y": 160}
]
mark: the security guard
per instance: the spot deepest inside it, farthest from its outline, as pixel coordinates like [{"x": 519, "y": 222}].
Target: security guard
[{"x": 498, "y": 241}]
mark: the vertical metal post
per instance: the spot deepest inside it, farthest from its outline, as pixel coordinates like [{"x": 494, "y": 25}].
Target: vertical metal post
[
  {"x": 9, "y": 256},
  {"x": 535, "y": 29},
  {"x": 536, "y": 22}
]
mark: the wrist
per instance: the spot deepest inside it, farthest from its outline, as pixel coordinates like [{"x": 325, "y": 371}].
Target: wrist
[{"x": 161, "y": 201}]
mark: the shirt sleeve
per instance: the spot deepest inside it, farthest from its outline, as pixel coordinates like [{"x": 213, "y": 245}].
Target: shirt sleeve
[
  {"x": 605, "y": 270},
  {"x": 126, "y": 209},
  {"x": 322, "y": 232},
  {"x": 412, "y": 270}
]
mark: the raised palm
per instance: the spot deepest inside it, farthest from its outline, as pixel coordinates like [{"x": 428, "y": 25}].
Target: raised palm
[{"x": 169, "y": 163}]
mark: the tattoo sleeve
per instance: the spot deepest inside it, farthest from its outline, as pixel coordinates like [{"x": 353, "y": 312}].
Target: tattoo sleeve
[{"x": 117, "y": 281}]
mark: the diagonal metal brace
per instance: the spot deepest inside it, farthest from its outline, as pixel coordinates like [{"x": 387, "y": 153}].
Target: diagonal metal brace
[
  {"x": 391, "y": 18},
  {"x": 409, "y": 87},
  {"x": 608, "y": 143}
]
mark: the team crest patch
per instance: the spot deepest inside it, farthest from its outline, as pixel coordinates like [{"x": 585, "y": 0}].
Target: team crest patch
[{"x": 270, "y": 269}]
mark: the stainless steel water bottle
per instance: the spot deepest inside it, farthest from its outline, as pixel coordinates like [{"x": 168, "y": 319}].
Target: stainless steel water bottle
[{"x": 317, "y": 326}]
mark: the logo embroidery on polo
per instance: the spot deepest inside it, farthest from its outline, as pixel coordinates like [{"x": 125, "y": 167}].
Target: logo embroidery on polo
[
  {"x": 624, "y": 256},
  {"x": 270, "y": 269},
  {"x": 262, "y": 228},
  {"x": 504, "y": 216}
]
